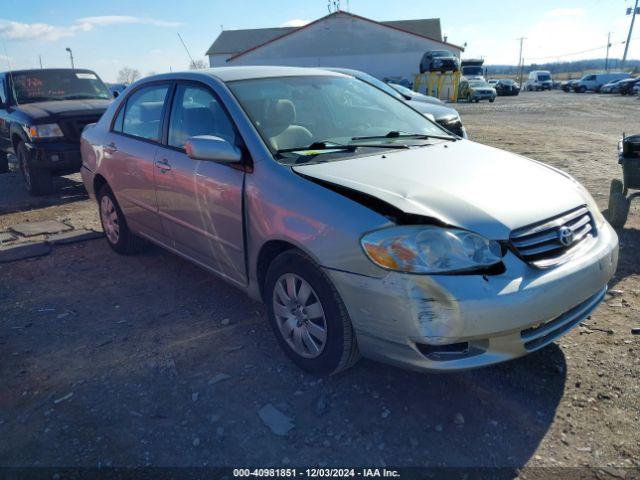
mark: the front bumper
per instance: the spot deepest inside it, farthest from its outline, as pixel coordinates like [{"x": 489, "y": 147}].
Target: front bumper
[
  {"x": 61, "y": 158},
  {"x": 457, "y": 322}
]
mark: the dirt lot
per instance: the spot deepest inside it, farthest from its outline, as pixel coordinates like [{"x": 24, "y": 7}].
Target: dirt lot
[{"x": 147, "y": 360}]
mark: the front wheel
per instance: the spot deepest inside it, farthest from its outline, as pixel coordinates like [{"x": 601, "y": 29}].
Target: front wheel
[
  {"x": 308, "y": 316},
  {"x": 114, "y": 225},
  {"x": 38, "y": 181},
  {"x": 491, "y": 100}
]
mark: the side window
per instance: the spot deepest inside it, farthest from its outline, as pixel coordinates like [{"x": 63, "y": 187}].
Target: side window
[
  {"x": 143, "y": 113},
  {"x": 590, "y": 78},
  {"x": 3, "y": 95},
  {"x": 196, "y": 111},
  {"x": 117, "y": 125}
]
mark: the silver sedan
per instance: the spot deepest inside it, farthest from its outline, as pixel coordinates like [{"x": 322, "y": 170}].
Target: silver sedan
[{"x": 366, "y": 228}]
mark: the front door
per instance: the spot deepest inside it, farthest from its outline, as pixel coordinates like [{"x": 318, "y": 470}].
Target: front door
[{"x": 200, "y": 202}]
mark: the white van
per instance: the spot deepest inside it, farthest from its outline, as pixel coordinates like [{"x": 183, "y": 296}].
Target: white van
[
  {"x": 595, "y": 81},
  {"x": 539, "y": 80}
]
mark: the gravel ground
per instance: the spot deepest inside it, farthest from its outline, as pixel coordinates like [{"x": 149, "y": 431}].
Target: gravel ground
[{"x": 147, "y": 360}]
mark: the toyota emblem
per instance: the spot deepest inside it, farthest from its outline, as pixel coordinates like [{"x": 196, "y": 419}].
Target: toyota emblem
[{"x": 565, "y": 235}]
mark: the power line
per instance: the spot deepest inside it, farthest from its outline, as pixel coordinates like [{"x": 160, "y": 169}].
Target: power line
[{"x": 578, "y": 53}]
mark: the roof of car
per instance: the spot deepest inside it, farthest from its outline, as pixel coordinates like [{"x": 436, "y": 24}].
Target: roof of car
[{"x": 230, "y": 74}]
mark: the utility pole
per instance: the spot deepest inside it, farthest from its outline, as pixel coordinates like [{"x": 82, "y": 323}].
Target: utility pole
[
  {"x": 606, "y": 62},
  {"x": 40, "y": 59},
  {"x": 634, "y": 12},
  {"x": 71, "y": 56},
  {"x": 520, "y": 61}
]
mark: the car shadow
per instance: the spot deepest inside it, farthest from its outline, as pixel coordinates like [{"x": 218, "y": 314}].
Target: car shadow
[
  {"x": 491, "y": 417},
  {"x": 628, "y": 256},
  {"x": 173, "y": 367},
  {"x": 16, "y": 198}
]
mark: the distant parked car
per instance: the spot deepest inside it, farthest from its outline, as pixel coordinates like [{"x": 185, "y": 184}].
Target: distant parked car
[
  {"x": 476, "y": 90},
  {"x": 539, "y": 80},
  {"x": 594, "y": 81},
  {"x": 568, "y": 85},
  {"x": 439, "y": 61},
  {"x": 612, "y": 87},
  {"x": 42, "y": 115},
  {"x": 435, "y": 110},
  {"x": 625, "y": 87},
  {"x": 507, "y": 87}
]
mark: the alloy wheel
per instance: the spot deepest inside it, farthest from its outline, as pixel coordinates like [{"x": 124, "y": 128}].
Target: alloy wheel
[
  {"x": 109, "y": 217},
  {"x": 299, "y": 315}
]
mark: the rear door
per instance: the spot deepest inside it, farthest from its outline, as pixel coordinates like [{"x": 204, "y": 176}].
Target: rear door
[
  {"x": 130, "y": 149},
  {"x": 200, "y": 202}
]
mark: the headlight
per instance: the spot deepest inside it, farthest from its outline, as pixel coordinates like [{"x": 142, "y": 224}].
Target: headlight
[
  {"x": 430, "y": 249},
  {"x": 46, "y": 130}
]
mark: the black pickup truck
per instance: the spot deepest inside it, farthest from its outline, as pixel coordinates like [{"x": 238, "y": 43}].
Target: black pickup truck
[{"x": 42, "y": 114}]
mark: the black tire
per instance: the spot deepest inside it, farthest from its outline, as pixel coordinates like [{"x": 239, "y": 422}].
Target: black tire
[
  {"x": 127, "y": 242},
  {"x": 4, "y": 162},
  {"x": 618, "y": 210},
  {"x": 491, "y": 100},
  {"x": 582, "y": 89},
  {"x": 340, "y": 350},
  {"x": 38, "y": 181}
]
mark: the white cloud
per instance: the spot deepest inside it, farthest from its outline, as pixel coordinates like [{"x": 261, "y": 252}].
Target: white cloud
[
  {"x": 120, "y": 19},
  {"x": 42, "y": 31},
  {"x": 565, "y": 12},
  {"x": 295, "y": 22}
]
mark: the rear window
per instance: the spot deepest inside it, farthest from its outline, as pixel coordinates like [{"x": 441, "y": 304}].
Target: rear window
[{"x": 54, "y": 85}]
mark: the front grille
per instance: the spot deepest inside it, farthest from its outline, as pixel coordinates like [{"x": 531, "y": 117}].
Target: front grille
[
  {"x": 454, "y": 126},
  {"x": 541, "y": 243},
  {"x": 538, "y": 336},
  {"x": 72, "y": 128}
]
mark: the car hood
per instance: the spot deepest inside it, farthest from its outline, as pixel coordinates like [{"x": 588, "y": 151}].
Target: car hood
[
  {"x": 439, "y": 112},
  {"x": 64, "y": 108},
  {"x": 462, "y": 183}
]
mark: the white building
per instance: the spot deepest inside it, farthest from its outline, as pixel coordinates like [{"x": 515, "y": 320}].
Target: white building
[{"x": 341, "y": 39}]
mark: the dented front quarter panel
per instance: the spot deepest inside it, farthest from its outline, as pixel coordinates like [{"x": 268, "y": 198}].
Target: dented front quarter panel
[{"x": 392, "y": 314}]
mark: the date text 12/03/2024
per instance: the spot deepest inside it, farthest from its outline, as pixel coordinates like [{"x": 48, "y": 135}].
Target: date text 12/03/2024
[{"x": 316, "y": 473}]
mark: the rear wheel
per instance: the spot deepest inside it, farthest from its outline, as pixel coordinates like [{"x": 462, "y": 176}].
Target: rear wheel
[
  {"x": 308, "y": 316},
  {"x": 114, "y": 225},
  {"x": 38, "y": 181},
  {"x": 618, "y": 205}
]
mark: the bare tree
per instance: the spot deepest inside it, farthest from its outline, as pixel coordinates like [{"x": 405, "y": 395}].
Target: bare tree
[
  {"x": 128, "y": 75},
  {"x": 197, "y": 65}
]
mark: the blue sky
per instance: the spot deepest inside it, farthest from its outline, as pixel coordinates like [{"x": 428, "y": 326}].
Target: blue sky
[{"x": 107, "y": 35}]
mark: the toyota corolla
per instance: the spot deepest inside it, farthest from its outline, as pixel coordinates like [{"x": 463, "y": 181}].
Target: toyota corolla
[{"x": 366, "y": 228}]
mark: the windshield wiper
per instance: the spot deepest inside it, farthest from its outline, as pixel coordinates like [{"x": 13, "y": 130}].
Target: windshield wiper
[
  {"x": 82, "y": 97},
  {"x": 324, "y": 145},
  {"x": 399, "y": 134}
]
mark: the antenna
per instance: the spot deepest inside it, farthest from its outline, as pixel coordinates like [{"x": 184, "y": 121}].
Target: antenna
[
  {"x": 185, "y": 47},
  {"x": 6, "y": 56}
]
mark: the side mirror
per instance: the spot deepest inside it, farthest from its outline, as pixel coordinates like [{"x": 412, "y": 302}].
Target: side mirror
[{"x": 215, "y": 149}]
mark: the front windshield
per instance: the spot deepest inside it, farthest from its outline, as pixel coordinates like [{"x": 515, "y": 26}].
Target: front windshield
[
  {"x": 472, "y": 70},
  {"x": 53, "y": 85},
  {"x": 294, "y": 113},
  {"x": 441, "y": 53},
  {"x": 543, "y": 77},
  {"x": 479, "y": 84}
]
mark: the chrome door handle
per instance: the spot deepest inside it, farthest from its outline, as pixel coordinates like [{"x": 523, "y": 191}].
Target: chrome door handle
[{"x": 163, "y": 165}]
